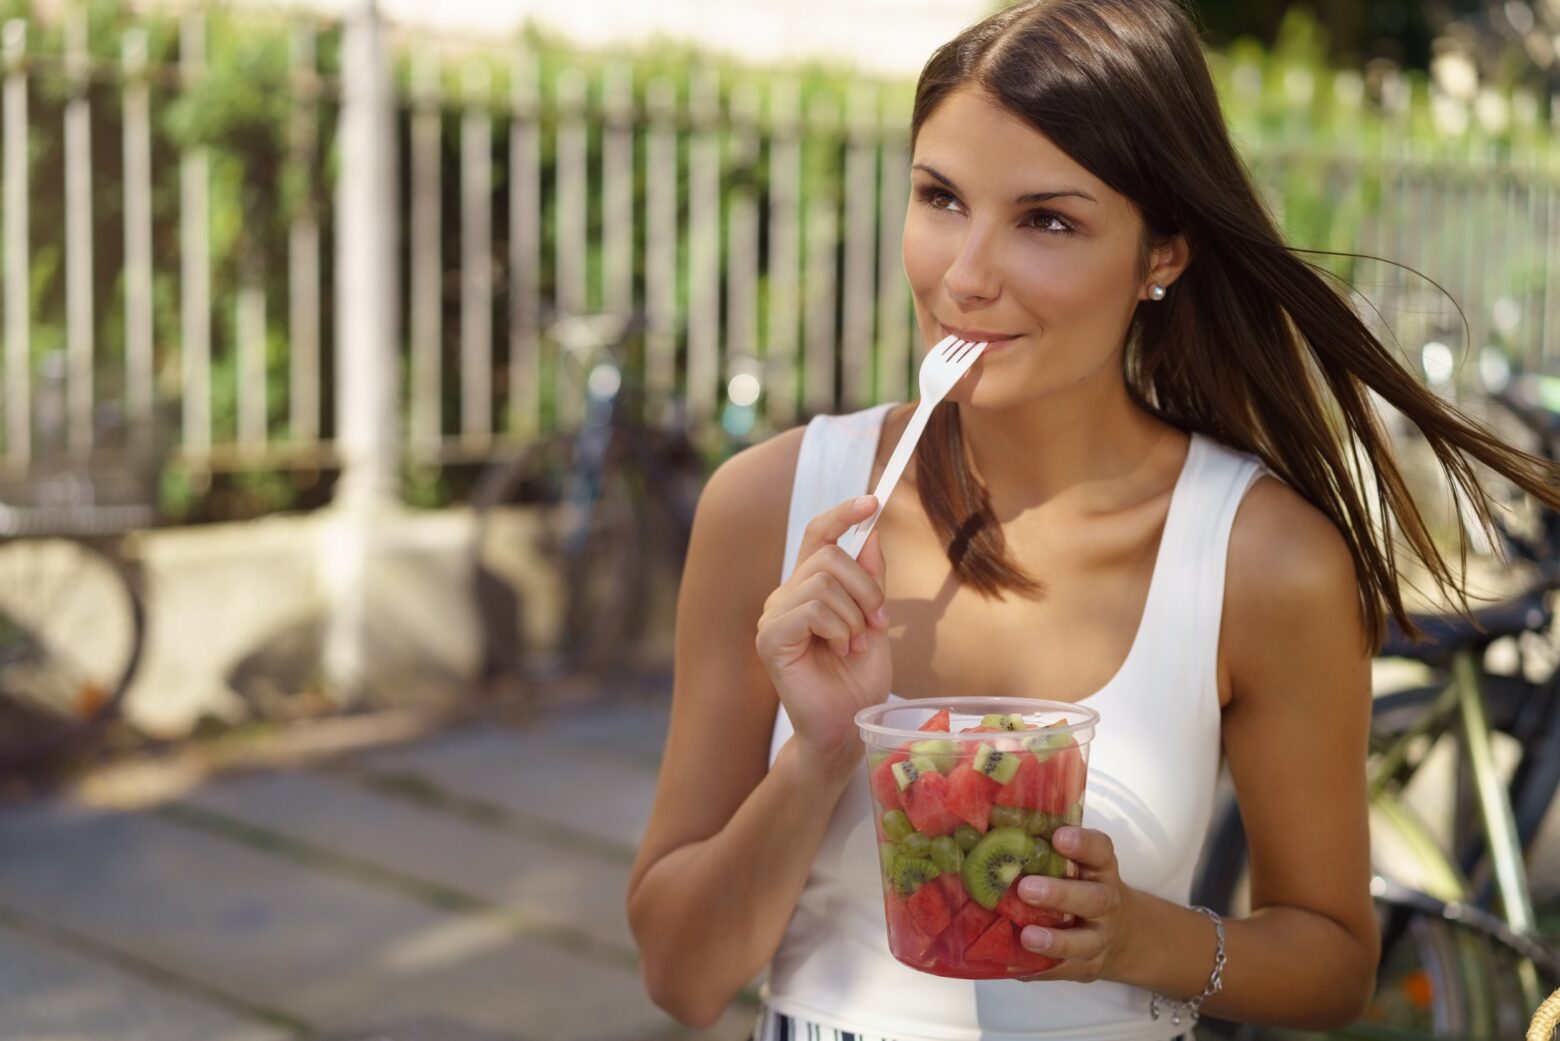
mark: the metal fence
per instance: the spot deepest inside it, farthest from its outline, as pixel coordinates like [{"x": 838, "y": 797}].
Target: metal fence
[{"x": 753, "y": 218}]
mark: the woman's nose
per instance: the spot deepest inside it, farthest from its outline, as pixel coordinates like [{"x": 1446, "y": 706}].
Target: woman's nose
[{"x": 973, "y": 274}]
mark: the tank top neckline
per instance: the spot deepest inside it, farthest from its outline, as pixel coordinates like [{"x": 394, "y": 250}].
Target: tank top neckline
[{"x": 1156, "y": 579}]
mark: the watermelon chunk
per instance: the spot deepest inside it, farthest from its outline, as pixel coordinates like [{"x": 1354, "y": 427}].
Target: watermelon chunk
[
  {"x": 1034, "y": 961},
  {"x": 1014, "y": 908},
  {"x": 929, "y": 910},
  {"x": 926, "y": 803},
  {"x": 905, "y": 938},
  {"x": 966, "y": 927},
  {"x": 953, "y": 889},
  {"x": 940, "y": 722},
  {"x": 883, "y": 785},
  {"x": 970, "y": 796},
  {"x": 1061, "y": 779},
  {"x": 1024, "y": 789},
  {"x": 996, "y": 944}
]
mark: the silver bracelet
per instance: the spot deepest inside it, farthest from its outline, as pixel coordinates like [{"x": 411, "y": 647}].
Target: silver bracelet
[{"x": 1215, "y": 982}]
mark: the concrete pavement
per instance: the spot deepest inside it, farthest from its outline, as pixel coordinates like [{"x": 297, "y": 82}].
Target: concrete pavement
[{"x": 465, "y": 886}]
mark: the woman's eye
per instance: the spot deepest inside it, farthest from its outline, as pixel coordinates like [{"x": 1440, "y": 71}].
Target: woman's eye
[
  {"x": 932, "y": 197},
  {"x": 1050, "y": 223}
]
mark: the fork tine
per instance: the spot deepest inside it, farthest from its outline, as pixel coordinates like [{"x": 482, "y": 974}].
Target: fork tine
[
  {"x": 948, "y": 346},
  {"x": 968, "y": 353}
]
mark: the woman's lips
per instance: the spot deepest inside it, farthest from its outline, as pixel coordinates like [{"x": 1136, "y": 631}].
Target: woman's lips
[{"x": 992, "y": 343}]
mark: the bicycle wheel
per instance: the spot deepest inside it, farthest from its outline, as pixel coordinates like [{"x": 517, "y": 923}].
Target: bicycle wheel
[
  {"x": 71, "y": 630},
  {"x": 1435, "y": 978}
]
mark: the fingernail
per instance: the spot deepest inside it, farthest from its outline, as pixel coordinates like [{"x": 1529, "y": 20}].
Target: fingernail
[
  {"x": 1033, "y": 890},
  {"x": 1065, "y": 839},
  {"x": 866, "y": 501},
  {"x": 1037, "y": 939},
  {"x": 880, "y": 618}
]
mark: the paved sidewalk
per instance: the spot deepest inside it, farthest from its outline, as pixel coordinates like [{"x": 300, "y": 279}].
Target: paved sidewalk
[{"x": 464, "y": 886}]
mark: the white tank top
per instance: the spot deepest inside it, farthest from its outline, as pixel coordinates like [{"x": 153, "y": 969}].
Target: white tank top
[{"x": 1153, "y": 767}]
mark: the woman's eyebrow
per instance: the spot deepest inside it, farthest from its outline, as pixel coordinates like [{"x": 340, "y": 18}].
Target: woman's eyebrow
[{"x": 1022, "y": 200}]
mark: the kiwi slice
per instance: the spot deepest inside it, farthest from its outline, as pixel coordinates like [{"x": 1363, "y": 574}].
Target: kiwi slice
[
  {"x": 1045, "y": 747},
  {"x": 999, "y": 766},
  {"x": 896, "y": 825},
  {"x": 907, "y": 874},
  {"x": 916, "y": 845},
  {"x": 965, "y": 836},
  {"x": 943, "y": 753},
  {"x": 1009, "y": 816},
  {"x": 994, "y": 863},
  {"x": 907, "y": 771},
  {"x": 1011, "y": 721},
  {"x": 947, "y": 855}
]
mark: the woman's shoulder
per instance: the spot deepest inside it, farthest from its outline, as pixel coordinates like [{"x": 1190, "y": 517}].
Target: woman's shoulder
[
  {"x": 744, "y": 506},
  {"x": 1289, "y": 571}
]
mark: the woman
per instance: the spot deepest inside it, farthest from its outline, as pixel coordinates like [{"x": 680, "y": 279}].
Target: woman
[{"x": 1147, "y": 495}]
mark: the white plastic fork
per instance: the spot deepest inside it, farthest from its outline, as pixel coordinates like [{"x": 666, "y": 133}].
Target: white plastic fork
[{"x": 943, "y": 366}]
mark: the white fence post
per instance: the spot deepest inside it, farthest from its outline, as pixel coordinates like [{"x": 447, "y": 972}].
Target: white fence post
[
  {"x": 427, "y": 261},
  {"x": 79, "y": 346},
  {"x": 476, "y": 268},
  {"x": 140, "y": 389},
  {"x": 195, "y": 262},
  {"x": 18, "y": 310},
  {"x": 303, "y": 250}
]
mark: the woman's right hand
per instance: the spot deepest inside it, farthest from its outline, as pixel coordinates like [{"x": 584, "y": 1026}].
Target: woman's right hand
[{"x": 823, "y": 635}]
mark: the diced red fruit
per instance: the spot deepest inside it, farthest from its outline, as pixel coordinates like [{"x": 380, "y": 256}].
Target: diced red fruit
[
  {"x": 884, "y": 787},
  {"x": 970, "y": 795},
  {"x": 966, "y": 927},
  {"x": 985, "y": 730},
  {"x": 939, "y": 722},
  {"x": 1024, "y": 789},
  {"x": 1021, "y": 913},
  {"x": 1062, "y": 779},
  {"x": 926, "y": 804},
  {"x": 905, "y": 938},
  {"x": 1034, "y": 961},
  {"x": 953, "y": 890},
  {"x": 929, "y": 910},
  {"x": 995, "y": 944}
]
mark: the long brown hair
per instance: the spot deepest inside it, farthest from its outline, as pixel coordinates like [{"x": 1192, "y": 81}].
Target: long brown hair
[{"x": 1254, "y": 346}]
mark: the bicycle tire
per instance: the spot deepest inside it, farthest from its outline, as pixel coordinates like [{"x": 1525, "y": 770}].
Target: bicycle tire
[
  {"x": 1459, "y": 969},
  {"x": 69, "y": 645}
]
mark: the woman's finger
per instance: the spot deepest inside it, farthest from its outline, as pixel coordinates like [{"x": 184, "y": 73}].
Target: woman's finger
[
  {"x": 1066, "y": 944},
  {"x": 848, "y": 574},
  {"x": 827, "y": 528},
  {"x": 1069, "y": 895},
  {"x": 1088, "y": 848}
]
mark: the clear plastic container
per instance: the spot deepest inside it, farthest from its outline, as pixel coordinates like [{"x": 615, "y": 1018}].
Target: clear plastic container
[{"x": 966, "y": 794}]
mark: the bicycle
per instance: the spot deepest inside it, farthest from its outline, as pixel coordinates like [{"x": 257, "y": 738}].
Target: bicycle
[
  {"x": 597, "y": 494},
  {"x": 72, "y": 617},
  {"x": 1452, "y": 966}
]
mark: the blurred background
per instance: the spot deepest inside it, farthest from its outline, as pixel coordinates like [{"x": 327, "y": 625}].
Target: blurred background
[{"x": 360, "y": 365}]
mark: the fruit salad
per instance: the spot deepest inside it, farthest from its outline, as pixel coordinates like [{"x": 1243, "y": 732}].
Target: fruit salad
[{"x": 960, "y": 818}]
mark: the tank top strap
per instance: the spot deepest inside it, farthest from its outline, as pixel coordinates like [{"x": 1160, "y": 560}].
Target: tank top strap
[
  {"x": 1182, "y": 625},
  {"x": 834, "y": 464}
]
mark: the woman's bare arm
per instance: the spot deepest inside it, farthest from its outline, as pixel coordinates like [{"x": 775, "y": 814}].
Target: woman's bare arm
[
  {"x": 730, "y": 842},
  {"x": 1295, "y": 734}
]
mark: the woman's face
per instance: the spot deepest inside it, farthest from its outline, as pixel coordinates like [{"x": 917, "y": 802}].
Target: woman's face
[{"x": 1007, "y": 235}]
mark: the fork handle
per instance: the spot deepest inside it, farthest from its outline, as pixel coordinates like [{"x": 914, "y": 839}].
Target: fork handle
[{"x": 857, "y": 536}]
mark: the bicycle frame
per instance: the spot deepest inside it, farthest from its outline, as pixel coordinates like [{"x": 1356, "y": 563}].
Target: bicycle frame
[{"x": 1447, "y": 892}]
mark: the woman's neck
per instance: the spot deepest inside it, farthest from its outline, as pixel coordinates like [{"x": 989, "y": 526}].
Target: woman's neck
[{"x": 1079, "y": 452}]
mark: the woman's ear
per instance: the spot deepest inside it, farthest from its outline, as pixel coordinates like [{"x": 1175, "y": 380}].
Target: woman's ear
[{"x": 1168, "y": 259}]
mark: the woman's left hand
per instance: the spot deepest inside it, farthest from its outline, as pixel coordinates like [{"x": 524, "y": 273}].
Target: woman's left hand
[{"x": 1092, "y": 947}]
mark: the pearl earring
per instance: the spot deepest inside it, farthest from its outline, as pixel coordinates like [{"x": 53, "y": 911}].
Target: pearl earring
[{"x": 1156, "y": 291}]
